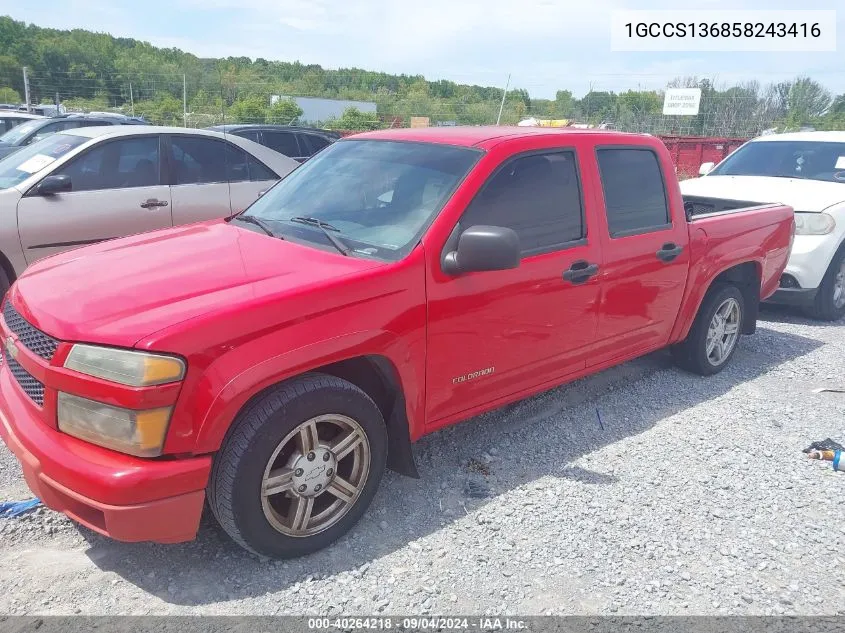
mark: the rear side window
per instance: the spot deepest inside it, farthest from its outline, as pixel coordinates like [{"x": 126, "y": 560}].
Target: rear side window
[
  {"x": 251, "y": 135},
  {"x": 258, "y": 171},
  {"x": 311, "y": 143},
  {"x": 208, "y": 160},
  {"x": 634, "y": 194},
  {"x": 282, "y": 142},
  {"x": 538, "y": 196}
]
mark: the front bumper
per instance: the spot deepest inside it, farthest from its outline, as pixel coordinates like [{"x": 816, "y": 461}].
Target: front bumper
[
  {"x": 794, "y": 296},
  {"x": 810, "y": 258},
  {"x": 120, "y": 496}
]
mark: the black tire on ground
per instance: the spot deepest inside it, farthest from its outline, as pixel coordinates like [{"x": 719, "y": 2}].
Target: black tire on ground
[
  {"x": 234, "y": 487},
  {"x": 691, "y": 353},
  {"x": 823, "y": 307},
  {"x": 4, "y": 283}
]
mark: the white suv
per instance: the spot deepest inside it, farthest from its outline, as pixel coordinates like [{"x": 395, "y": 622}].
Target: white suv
[{"x": 805, "y": 170}]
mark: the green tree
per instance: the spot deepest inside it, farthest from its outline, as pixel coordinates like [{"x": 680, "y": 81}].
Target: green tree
[
  {"x": 355, "y": 120},
  {"x": 8, "y": 95},
  {"x": 251, "y": 109},
  {"x": 284, "y": 112}
]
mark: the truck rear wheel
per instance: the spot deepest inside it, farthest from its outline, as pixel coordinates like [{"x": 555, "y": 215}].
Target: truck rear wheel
[
  {"x": 829, "y": 304},
  {"x": 714, "y": 335},
  {"x": 300, "y": 467}
]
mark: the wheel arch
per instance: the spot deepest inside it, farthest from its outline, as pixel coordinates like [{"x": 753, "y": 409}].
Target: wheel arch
[{"x": 378, "y": 377}]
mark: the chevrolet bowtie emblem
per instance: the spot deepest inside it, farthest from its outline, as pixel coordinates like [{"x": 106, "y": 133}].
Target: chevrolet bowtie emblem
[{"x": 11, "y": 348}]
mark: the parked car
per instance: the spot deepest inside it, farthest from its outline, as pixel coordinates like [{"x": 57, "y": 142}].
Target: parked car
[
  {"x": 92, "y": 184},
  {"x": 299, "y": 143},
  {"x": 806, "y": 171},
  {"x": 10, "y": 119},
  {"x": 273, "y": 363},
  {"x": 35, "y": 130}
]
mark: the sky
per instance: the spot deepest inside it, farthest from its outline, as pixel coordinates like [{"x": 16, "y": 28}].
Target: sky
[{"x": 545, "y": 45}]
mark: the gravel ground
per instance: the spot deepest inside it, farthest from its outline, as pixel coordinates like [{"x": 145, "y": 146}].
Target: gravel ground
[{"x": 642, "y": 490}]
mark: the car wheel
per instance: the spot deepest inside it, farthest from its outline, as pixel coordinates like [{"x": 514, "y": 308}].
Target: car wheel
[
  {"x": 829, "y": 304},
  {"x": 4, "y": 283},
  {"x": 299, "y": 467},
  {"x": 714, "y": 335}
]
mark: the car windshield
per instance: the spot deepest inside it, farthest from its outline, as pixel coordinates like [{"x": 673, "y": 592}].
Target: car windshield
[
  {"x": 16, "y": 134},
  {"x": 377, "y": 196},
  {"x": 17, "y": 167},
  {"x": 812, "y": 160}
]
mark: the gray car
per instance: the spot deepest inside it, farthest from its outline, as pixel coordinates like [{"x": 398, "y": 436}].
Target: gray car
[{"x": 92, "y": 184}]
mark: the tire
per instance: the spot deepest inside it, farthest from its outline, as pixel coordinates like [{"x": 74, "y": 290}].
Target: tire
[
  {"x": 829, "y": 304},
  {"x": 268, "y": 438},
  {"x": 692, "y": 353},
  {"x": 4, "y": 283}
]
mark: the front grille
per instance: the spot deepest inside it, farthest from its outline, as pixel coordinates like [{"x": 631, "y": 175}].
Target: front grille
[
  {"x": 29, "y": 336},
  {"x": 30, "y": 385}
]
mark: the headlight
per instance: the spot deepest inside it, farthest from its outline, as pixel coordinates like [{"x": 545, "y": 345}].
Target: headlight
[
  {"x": 136, "y": 369},
  {"x": 813, "y": 223},
  {"x": 138, "y": 433}
]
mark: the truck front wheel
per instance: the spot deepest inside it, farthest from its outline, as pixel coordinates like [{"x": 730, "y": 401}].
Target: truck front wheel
[
  {"x": 300, "y": 466},
  {"x": 714, "y": 335}
]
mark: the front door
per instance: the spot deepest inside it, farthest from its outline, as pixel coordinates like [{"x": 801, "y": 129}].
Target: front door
[
  {"x": 116, "y": 191},
  {"x": 504, "y": 332}
]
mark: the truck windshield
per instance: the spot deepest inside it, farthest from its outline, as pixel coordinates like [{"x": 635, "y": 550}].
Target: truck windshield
[
  {"x": 378, "y": 196},
  {"x": 17, "y": 167},
  {"x": 812, "y": 160}
]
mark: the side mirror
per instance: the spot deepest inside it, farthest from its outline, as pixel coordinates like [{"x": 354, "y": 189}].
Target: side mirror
[
  {"x": 483, "y": 248},
  {"x": 52, "y": 185},
  {"x": 705, "y": 168}
]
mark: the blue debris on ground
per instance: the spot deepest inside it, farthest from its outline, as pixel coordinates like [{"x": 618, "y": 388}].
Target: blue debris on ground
[{"x": 10, "y": 509}]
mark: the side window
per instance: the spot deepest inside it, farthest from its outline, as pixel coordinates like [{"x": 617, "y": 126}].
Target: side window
[
  {"x": 129, "y": 162},
  {"x": 634, "y": 194},
  {"x": 258, "y": 171},
  {"x": 282, "y": 142},
  {"x": 538, "y": 196},
  {"x": 208, "y": 160},
  {"x": 252, "y": 135},
  {"x": 311, "y": 143}
]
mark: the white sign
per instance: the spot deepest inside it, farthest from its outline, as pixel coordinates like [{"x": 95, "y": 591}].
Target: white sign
[
  {"x": 682, "y": 101},
  {"x": 36, "y": 163}
]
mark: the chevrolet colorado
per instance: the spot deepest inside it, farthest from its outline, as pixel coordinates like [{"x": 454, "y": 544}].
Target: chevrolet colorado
[{"x": 272, "y": 364}]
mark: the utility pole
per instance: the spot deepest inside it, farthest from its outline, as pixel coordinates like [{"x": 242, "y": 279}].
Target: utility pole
[
  {"x": 504, "y": 94},
  {"x": 184, "y": 101},
  {"x": 26, "y": 90},
  {"x": 131, "y": 99}
]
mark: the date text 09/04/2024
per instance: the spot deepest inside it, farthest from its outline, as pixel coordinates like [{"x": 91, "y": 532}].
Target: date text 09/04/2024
[{"x": 434, "y": 623}]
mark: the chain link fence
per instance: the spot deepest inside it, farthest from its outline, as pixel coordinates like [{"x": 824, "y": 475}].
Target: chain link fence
[{"x": 353, "y": 101}]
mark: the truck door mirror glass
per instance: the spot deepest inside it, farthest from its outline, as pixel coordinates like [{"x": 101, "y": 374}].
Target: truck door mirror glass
[
  {"x": 705, "y": 168},
  {"x": 52, "y": 185},
  {"x": 483, "y": 248}
]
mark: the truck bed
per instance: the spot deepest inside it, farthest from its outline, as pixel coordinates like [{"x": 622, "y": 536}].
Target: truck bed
[{"x": 696, "y": 206}]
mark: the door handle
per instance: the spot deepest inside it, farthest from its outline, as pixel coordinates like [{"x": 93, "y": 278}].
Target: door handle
[
  {"x": 152, "y": 202},
  {"x": 580, "y": 272},
  {"x": 669, "y": 251}
]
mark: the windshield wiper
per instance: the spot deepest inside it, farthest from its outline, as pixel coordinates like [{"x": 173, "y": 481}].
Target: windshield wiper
[
  {"x": 325, "y": 227},
  {"x": 259, "y": 223}
]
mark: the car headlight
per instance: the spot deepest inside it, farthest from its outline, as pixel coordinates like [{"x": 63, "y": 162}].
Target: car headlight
[
  {"x": 813, "y": 223},
  {"x": 136, "y": 369},
  {"x": 139, "y": 433}
]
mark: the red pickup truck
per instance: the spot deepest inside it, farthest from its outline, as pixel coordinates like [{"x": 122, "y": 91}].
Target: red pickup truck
[{"x": 273, "y": 363}]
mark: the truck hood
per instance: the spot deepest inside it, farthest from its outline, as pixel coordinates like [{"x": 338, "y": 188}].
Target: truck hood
[
  {"x": 800, "y": 194},
  {"x": 120, "y": 291}
]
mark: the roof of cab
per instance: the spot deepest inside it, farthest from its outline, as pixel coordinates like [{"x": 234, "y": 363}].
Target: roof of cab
[{"x": 473, "y": 136}]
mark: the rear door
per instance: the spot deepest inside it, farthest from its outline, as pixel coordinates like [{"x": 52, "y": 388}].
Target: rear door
[
  {"x": 117, "y": 191},
  {"x": 645, "y": 252},
  {"x": 503, "y": 332},
  {"x": 211, "y": 178}
]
